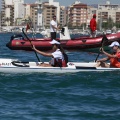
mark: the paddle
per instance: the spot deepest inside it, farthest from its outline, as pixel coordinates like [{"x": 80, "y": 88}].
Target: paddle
[
  {"x": 30, "y": 43},
  {"x": 32, "y": 28},
  {"x": 104, "y": 39}
]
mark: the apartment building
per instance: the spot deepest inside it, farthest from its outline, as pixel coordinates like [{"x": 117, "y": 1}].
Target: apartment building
[
  {"x": 7, "y": 13},
  {"x": 19, "y": 10},
  {"x": 31, "y": 10},
  {"x": 63, "y": 15},
  {"x": 57, "y": 5},
  {"x": 77, "y": 14},
  {"x": 35, "y": 13},
  {"x": 48, "y": 12},
  {"x": 2, "y": 13},
  {"x": 108, "y": 10},
  {"x": 14, "y": 11},
  {"x": 41, "y": 13},
  {"x": 11, "y": 10}
]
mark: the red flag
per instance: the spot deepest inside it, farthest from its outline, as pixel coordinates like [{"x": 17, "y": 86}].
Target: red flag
[{"x": 27, "y": 27}]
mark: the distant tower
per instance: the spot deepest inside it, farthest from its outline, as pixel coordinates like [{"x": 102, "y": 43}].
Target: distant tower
[{"x": 39, "y": 14}]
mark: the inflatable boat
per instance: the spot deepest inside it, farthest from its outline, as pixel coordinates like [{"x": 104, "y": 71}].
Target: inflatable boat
[{"x": 19, "y": 42}]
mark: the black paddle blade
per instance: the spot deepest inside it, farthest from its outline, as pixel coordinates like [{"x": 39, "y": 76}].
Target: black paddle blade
[{"x": 104, "y": 40}]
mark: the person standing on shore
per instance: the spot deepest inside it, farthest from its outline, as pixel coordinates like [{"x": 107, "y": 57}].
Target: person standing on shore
[
  {"x": 53, "y": 28},
  {"x": 93, "y": 26}
]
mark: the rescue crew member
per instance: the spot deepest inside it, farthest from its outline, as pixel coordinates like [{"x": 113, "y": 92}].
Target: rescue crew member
[
  {"x": 59, "y": 57},
  {"x": 114, "y": 57},
  {"x": 93, "y": 26},
  {"x": 53, "y": 27}
]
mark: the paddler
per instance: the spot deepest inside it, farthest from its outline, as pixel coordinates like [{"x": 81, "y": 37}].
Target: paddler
[
  {"x": 114, "y": 57},
  {"x": 59, "y": 57}
]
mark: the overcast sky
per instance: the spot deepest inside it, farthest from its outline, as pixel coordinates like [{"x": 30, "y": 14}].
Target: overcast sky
[{"x": 69, "y": 2}]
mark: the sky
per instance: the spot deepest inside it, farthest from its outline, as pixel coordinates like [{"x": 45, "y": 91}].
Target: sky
[{"x": 69, "y": 2}]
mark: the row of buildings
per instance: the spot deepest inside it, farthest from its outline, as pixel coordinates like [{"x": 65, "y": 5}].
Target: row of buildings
[{"x": 16, "y": 12}]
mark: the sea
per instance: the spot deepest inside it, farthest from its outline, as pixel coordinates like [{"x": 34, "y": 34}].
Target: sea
[{"x": 66, "y": 96}]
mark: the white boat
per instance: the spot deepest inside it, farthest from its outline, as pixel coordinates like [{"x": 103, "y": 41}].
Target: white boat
[{"x": 15, "y": 66}]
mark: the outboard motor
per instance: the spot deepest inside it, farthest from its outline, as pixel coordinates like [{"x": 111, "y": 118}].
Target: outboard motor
[
  {"x": 62, "y": 31},
  {"x": 65, "y": 35}
]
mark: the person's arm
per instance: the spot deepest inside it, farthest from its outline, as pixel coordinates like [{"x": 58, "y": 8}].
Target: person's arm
[
  {"x": 107, "y": 54},
  {"x": 57, "y": 28},
  {"x": 103, "y": 59},
  {"x": 42, "y": 53},
  {"x": 54, "y": 27}
]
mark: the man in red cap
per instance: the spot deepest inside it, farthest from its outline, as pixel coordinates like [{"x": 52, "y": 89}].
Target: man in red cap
[{"x": 93, "y": 26}]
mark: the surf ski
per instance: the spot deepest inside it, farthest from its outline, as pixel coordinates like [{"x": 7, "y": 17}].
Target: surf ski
[{"x": 16, "y": 66}]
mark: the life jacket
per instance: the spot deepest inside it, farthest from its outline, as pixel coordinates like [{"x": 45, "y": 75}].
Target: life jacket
[
  {"x": 58, "y": 62},
  {"x": 115, "y": 62}
]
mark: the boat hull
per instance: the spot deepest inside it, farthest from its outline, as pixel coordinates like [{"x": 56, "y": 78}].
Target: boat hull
[
  {"x": 15, "y": 66},
  {"x": 83, "y": 43}
]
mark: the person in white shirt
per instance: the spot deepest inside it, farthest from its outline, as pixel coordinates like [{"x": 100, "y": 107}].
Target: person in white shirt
[
  {"x": 58, "y": 55},
  {"x": 53, "y": 27}
]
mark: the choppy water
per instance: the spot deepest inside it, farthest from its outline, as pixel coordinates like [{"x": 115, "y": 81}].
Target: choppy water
[{"x": 77, "y": 96}]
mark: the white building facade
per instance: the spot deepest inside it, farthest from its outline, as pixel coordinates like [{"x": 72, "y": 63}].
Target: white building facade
[
  {"x": 108, "y": 10},
  {"x": 19, "y": 9},
  {"x": 56, "y": 4},
  {"x": 12, "y": 10}
]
